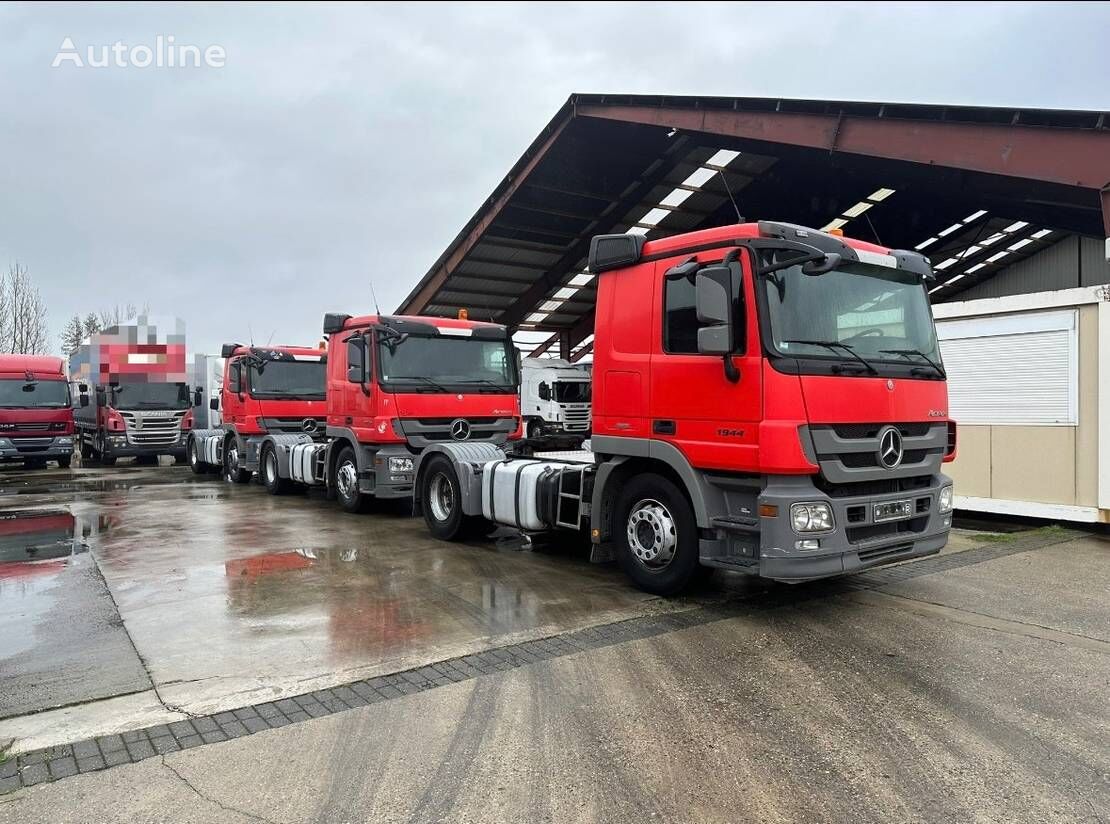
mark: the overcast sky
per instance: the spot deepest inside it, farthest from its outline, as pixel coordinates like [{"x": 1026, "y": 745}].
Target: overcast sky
[{"x": 343, "y": 144}]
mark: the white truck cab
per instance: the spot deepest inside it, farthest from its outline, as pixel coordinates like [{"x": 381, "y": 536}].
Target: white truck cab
[{"x": 555, "y": 398}]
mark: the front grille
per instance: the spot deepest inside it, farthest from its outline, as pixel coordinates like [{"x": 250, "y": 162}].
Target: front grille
[
  {"x": 873, "y": 532},
  {"x": 870, "y": 430},
  {"x": 446, "y": 422},
  {"x": 576, "y": 419},
  {"x": 883, "y": 486},
  {"x": 421, "y": 431},
  {"x": 56, "y": 426},
  {"x": 143, "y": 430},
  {"x": 849, "y": 453},
  {"x": 32, "y": 444}
]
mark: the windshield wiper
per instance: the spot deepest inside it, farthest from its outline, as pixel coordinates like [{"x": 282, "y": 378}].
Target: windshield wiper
[
  {"x": 428, "y": 381},
  {"x": 498, "y": 387},
  {"x": 906, "y": 353},
  {"x": 834, "y": 345}
]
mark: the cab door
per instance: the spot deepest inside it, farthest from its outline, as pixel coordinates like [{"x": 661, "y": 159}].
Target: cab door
[
  {"x": 235, "y": 383},
  {"x": 353, "y": 382},
  {"x": 693, "y": 404}
]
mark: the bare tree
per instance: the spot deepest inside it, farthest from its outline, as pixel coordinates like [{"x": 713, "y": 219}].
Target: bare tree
[
  {"x": 23, "y": 328},
  {"x": 117, "y": 314},
  {"x": 91, "y": 325}
]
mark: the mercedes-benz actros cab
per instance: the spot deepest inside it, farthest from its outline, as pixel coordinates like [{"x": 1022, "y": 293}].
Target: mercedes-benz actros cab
[{"x": 767, "y": 398}]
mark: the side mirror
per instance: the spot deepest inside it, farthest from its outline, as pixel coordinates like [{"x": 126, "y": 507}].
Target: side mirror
[
  {"x": 84, "y": 399},
  {"x": 198, "y": 396},
  {"x": 83, "y": 388},
  {"x": 354, "y": 373},
  {"x": 819, "y": 267},
  {"x": 713, "y": 304},
  {"x": 214, "y": 404},
  {"x": 544, "y": 391}
]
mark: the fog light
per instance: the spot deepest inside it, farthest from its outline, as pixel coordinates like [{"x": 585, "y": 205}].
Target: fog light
[
  {"x": 400, "y": 464},
  {"x": 811, "y": 517},
  {"x": 807, "y": 543},
  {"x": 944, "y": 499}
]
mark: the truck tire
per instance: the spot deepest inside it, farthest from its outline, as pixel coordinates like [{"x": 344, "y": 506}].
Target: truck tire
[
  {"x": 271, "y": 478},
  {"x": 198, "y": 466},
  {"x": 232, "y": 470},
  {"x": 533, "y": 431},
  {"x": 345, "y": 482},
  {"x": 656, "y": 535},
  {"x": 66, "y": 462},
  {"x": 107, "y": 460},
  {"x": 441, "y": 502}
]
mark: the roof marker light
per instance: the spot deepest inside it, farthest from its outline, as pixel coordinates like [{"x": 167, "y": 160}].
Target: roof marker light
[
  {"x": 722, "y": 158},
  {"x": 699, "y": 177},
  {"x": 975, "y": 216},
  {"x": 858, "y": 209},
  {"x": 676, "y": 198},
  {"x": 879, "y": 195}
]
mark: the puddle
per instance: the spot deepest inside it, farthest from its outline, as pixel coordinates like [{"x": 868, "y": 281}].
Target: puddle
[{"x": 31, "y": 536}]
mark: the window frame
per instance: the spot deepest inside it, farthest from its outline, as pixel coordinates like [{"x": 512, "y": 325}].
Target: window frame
[{"x": 739, "y": 308}]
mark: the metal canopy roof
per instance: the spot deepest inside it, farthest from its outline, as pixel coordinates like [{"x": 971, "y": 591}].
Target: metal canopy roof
[{"x": 974, "y": 188}]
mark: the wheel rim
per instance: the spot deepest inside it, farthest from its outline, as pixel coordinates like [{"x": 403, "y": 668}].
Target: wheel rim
[
  {"x": 652, "y": 534},
  {"x": 346, "y": 478},
  {"x": 194, "y": 459},
  {"x": 232, "y": 462},
  {"x": 441, "y": 497},
  {"x": 271, "y": 467}
]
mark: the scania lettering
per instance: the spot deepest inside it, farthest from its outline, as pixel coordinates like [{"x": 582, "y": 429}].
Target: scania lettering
[{"x": 765, "y": 400}]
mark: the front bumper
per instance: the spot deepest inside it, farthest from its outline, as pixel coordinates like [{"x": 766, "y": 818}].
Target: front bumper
[
  {"x": 378, "y": 480},
  {"x": 856, "y": 541},
  {"x": 58, "y": 447},
  {"x": 116, "y": 447}
]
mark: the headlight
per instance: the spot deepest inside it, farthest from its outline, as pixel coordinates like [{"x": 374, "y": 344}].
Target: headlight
[
  {"x": 65, "y": 441},
  {"x": 400, "y": 464},
  {"x": 944, "y": 499},
  {"x": 5, "y": 443},
  {"x": 814, "y": 517}
]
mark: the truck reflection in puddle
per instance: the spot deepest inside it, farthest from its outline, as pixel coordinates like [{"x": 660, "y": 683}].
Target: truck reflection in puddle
[
  {"x": 363, "y": 612},
  {"x": 34, "y": 542}
]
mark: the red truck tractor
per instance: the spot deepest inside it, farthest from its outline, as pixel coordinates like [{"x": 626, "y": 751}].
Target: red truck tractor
[
  {"x": 767, "y": 398},
  {"x": 394, "y": 386},
  {"x": 36, "y": 411},
  {"x": 266, "y": 391}
]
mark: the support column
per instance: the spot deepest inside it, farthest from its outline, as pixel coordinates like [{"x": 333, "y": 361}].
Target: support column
[{"x": 564, "y": 345}]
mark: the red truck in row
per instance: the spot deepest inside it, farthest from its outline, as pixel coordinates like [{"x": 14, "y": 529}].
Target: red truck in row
[
  {"x": 36, "y": 410},
  {"x": 767, "y": 398},
  {"x": 354, "y": 418}
]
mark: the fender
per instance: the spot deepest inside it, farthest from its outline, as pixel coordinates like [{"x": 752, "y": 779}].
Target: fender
[
  {"x": 283, "y": 443},
  {"x": 467, "y": 458}
]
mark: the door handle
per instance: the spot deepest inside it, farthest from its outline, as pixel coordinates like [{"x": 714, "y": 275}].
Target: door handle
[{"x": 663, "y": 427}]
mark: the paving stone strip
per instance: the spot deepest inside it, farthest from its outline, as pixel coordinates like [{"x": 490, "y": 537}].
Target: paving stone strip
[{"x": 102, "y": 752}]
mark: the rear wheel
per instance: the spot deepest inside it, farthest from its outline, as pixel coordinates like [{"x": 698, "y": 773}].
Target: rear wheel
[
  {"x": 533, "y": 430},
  {"x": 107, "y": 460},
  {"x": 233, "y": 469},
  {"x": 656, "y": 535},
  {"x": 345, "y": 482},
  {"x": 66, "y": 462},
  {"x": 195, "y": 463},
  {"x": 441, "y": 502},
  {"x": 275, "y": 484}
]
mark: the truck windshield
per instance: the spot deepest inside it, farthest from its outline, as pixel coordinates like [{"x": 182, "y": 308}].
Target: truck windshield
[
  {"x": 289, "y": 379},
  {"x": 572, "y": 391},
  {"x": 23, "y": 394},
  {"x": 881, "y": 314},
  {"x": 151, "y": 396},
  {"x": 447, "y": 363}
]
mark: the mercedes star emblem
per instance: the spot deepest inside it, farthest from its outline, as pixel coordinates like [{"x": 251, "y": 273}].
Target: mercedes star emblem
[
  {"x": 460, "y": 429},
  {"x": 308, "y": 425},
  {"x": 890, "y": 447}
]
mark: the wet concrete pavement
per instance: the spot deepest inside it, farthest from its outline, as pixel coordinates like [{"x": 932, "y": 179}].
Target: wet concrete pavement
[{"x": 969, "y": 687}]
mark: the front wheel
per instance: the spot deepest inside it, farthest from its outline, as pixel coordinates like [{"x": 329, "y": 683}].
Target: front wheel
[
  {"x": 441, "y": 503},
  {"x": 66, "y": 462},
  {"x": 195, "y": 463},
  {"x": 656, "y": 535},
  {"x": 271, "y": 478},
  {"x": 345, "y": 482},
  {"x": 233, "y": 469}
]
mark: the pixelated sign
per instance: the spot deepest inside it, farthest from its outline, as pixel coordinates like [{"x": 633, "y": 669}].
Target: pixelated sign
[{"x": 142, "y": 350}]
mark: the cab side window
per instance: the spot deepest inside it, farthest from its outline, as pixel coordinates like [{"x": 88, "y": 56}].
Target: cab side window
[
  {"x": 356, "y": 361},
  {"x": 234, "y": 377},
  {"x": 680, "y": 317}
]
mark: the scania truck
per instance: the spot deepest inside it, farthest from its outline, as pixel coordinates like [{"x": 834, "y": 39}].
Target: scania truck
[
  {"x": 36, "y": 411},
  {"x": 142, "y": 404},
  {"x": 767, "y": 398},
  {"x": 396, "y": 386},
  {"x": 265, "y": 390},
  {"x": 555, "y": 400}
]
